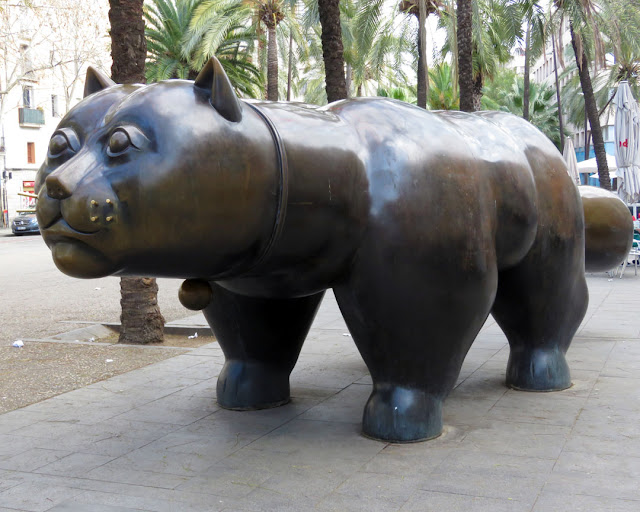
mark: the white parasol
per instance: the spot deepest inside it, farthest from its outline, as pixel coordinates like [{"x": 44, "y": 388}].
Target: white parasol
[
  {"x": 627, "y": 137},
  {"x": 569, "y": 155},
  {"x": 592, "y": 166}
]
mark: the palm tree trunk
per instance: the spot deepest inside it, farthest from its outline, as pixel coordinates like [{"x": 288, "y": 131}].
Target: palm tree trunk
[
  {"x": 423, "y": 81},
  {"x": 332, "y": 49},
  {"x": 592, "y": 112},
  {"x": 272, "y": 64},
  {"x": 465, "y": 55},
  {"x": 478, "y": 83},
  {"x": 526, "y": 93},
  {"x": 128, "y": 45},
  {"x": 141, "y": 320},
  {"x": 555, "y": 70},
  {"x": 140, "y": 317},
  {"x": 290, "y": 65}
]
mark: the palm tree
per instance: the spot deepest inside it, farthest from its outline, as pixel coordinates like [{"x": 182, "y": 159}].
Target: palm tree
[
  {"x": 421, "y": 9},
  {"x": 271, "y": 13},
  {"x": 167, "y": 22},
  {"x": 371, "y": 46},
  {"x": 332, "y": 49},
  {"x": 464, "y": 42},
  {"x": 442, "y": 94},
  {"x": 218, "y": 28},
  {"x": 141, "y": 320},
  {"x": 496, "y": 25},
  {"x": 582, "y": 15},
  {"x": 175, "y": 52},
  {"x": 534, "y": 16},
  {"x": 507, "y": 92}
]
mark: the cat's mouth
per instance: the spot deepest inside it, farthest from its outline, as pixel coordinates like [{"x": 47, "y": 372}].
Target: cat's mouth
[{"x": 74, "y": 252}]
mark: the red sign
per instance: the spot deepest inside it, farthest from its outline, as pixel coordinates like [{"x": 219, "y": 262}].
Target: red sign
[{"x": 28, "y": 184}]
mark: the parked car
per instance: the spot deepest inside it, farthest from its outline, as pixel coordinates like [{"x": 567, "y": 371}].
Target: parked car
[{"x": 25, "y": 222}]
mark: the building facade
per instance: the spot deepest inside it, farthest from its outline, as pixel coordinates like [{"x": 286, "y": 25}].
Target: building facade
[{"x": 46, "y": 48}]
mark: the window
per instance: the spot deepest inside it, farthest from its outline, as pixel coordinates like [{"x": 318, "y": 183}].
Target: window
[
  {"x": 25, "y": 56},
  {"x": 55, "y": 112},
  {"x": 27, "y": 96},
  {"x": 31, "y": 152}
]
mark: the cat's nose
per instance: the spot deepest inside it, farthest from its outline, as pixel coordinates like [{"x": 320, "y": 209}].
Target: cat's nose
[{"x": 57, "y": 188}]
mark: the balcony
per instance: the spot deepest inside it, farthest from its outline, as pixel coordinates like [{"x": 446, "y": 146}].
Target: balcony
[{"x": 31, "y": 117}]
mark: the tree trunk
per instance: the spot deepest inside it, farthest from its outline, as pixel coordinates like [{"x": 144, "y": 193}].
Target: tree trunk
[
  {"x": 272, "y": 64},
  {"x": 478, "y": 83},
  {"x": 423, "y": 80},
  {"x": 592, "y": 112},
  {"x": 128, "y": 45},
  {"x": 555, "y": 70},
  {"x": 332, "y": 49},
  {"x": 290, "y": 65},
  {"x": 465, "y": 55},
  {"x": 526, "y": 93},
  {"x": 141, "y": 319}
]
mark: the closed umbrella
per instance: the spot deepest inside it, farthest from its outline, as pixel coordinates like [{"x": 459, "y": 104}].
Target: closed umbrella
[
  {"x": 627, "y": 137},
  {"x": 569, "y": 155}
]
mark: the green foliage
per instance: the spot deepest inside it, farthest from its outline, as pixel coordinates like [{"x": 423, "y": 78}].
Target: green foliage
[
  {"x": 442, "y": 94},
  {"x": 497, "y": 25},
  {"x": 506, "y": 93},
  {"x": 180, "y": 41}
]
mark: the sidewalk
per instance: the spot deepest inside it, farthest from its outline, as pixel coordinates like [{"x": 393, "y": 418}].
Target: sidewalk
[{"x": 154, "y": 439}]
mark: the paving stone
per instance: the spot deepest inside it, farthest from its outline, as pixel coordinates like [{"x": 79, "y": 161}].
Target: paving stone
[
  {"x": 591, "y": 484},
  {"x": 466, "y": 456},
  {"x": 121, "y": 472},
  {"x": 226, "y": 480},
  {"x": 157, "y": 413},
  {"x": 116, "y": 502},
  {"x": 345, "y": 406},
  {"x": 539, "y": 408},
  {"x": 155, "y": 440},
  {"x": 393, "y": 488},
  {"x": 561, "y": 502},
  {"x": 263, "y": 500},
  {"x": 497, "y": 483},
  {"x": 603, "y": 443},
  {"x": 76, "y": 464},
  {"x": 426, "y": 501},
  {"x": 319, "y": 439},
  {"x": 12, "y": 444},
  {"x": 409, "y": 459},
  {"x": 599, "y": 463},
  {"x": 19, "y": 419},
  {"x": 31, "y": 460},
  {"x": 518, "y": 439},
  {"x": 346, "y": 503},
  {"x": 82, "y": 506},
  {"x": 36, "y": 497}
]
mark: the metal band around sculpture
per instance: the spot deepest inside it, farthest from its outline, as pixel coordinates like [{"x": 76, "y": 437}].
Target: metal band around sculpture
[{"x": 283, "y": 188}]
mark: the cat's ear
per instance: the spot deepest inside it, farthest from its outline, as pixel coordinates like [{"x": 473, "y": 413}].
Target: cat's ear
[
  {"x": 96, "y": 81},
  {"x": 223, "y": 98}
]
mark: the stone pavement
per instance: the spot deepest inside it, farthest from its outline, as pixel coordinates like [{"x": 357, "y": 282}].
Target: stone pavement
[{"x": 154, "y": 439}]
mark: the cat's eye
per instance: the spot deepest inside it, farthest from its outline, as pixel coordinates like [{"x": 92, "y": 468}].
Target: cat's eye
[
  {"x": 119, "y": 142},
  {"x": 62, "y": 140},
  {"x": 126, "y": 137},
  {"x": 58, "y": 144}
]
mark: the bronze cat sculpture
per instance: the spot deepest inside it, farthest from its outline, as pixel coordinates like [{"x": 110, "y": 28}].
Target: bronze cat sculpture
[{"x": 422, "y": 223}]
